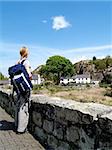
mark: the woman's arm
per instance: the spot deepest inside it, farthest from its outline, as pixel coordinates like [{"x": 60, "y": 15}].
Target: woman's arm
[{"x": 28, "y": 68}]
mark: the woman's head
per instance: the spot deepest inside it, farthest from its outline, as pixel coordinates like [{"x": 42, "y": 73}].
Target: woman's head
[{"x": 24, "y": 52}]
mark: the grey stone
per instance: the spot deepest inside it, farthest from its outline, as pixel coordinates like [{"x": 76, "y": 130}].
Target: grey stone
[
  {"x": 58, "y": 130},
  {"x": 63, "y": 146},
  {"x": 48, "y": 126},
  {"x": 37, "y": 119},
  {"x": 86, "y": 119},
  {"x": 60, "y": 115},
  {"x": 40, "y": 134},
  {"x": 60, "y": 112},
  {"x": 52, "y": 142},
  {"x": 71, "y": 124},
  {"x": 72, "y": 115},
  {"x": 105, "y": 124},
  {"x": 50, "y": 112},
  {"x": 72, "y": 134},
  {"x": 86, "y": 143}
]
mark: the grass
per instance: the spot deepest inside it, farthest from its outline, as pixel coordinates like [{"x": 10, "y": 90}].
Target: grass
[
  {"x": 95, "y": 95},
  {"x": 81, "y": 94}
]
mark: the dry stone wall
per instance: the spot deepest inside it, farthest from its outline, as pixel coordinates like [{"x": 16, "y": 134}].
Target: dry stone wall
[{"x": 65, "y": 124}]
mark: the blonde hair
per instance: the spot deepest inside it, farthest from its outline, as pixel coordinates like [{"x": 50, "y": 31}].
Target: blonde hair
[{"x": 24, "y": 52}]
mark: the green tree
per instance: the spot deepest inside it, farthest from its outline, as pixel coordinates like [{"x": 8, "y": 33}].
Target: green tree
[
  {"x": 108, "y": 61},
  {"x": 2, "y": 77},
  {"x": 56, "y": 67},
  {"x": 107, "y": 79},
  {"x": 94, "y": 58},
  {"x": 100, "y": 64}
]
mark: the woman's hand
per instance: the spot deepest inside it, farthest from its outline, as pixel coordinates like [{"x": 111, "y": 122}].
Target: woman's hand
[{"x": 30, "y": 77}]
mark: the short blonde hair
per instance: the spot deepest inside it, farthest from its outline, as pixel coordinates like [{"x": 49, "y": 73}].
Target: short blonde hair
[{"x": 24, "y": 51}]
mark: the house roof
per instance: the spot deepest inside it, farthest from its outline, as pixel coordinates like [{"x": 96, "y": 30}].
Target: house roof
[
  {"x": 81, "y": 76},
  {"x": 77, "y": 76},
  {"x": 4, "y": 82},
  {"x": 34, "y": 77}
]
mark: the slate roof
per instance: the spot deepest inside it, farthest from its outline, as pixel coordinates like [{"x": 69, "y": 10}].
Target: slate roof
[
  {"x": 4, "y": 82},
  {"x": 77, "y": 76},
  {"x": 34, "y": 77},
  {"x": 81, "y": 76}
]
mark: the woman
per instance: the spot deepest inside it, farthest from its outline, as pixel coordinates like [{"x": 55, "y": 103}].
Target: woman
[{"x": 22, "y": 104}]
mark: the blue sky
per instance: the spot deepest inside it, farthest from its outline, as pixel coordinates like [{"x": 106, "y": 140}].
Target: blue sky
[{"x": 77, "y": 30}]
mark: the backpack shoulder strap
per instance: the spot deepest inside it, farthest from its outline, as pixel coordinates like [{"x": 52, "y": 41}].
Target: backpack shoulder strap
[{"x": 23, "y": 61}]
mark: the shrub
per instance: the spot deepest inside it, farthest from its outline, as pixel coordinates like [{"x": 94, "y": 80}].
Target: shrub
[
  {"x": 37, "y": 87},
  {"x": 109, "y": 92}
]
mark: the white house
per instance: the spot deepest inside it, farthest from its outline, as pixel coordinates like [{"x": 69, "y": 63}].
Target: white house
[
  {"x": 82, "y": 78},
  {"x": 95, "y": 82},
  {"x": 78, "y": 79},
  {"x": 4, "y": 82},
  {"x": 36, "y": 79}
]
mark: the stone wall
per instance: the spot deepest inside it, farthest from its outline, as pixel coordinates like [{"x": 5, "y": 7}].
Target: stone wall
[{"x": 65, "y": 124}]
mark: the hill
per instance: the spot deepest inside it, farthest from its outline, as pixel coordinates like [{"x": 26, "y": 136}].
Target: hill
[{"x": 98, "y": 68}]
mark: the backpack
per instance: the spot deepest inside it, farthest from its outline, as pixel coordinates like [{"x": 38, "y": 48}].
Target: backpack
[{"x": 20, "y": 78}]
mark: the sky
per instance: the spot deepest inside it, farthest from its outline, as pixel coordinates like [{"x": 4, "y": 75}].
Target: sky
[{"x": 77, "y": 30}]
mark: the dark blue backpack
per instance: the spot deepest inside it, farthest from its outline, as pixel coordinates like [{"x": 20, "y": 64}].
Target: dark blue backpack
[{"x": 20, "y": 78}]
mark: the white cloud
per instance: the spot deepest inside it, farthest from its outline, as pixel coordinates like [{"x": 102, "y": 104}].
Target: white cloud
[
  {"x": 84, "y": 53},
  {"x": 85, "y": 57},
  {"x": 88, "y": 49},
  {"x": 79, "y": 58},
  {"x": 44, "y": 21},
  {"x": 59, "y": 22},
  {"x": 39, "y": 54}
]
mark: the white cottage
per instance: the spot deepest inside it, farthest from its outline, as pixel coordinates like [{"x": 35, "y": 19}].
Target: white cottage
[
  {"x": 36, "y": 79},
  {"x": 5, "y": 82},
  {"x": 82, "y": 78},
  {"x": 78, "y": 79}
]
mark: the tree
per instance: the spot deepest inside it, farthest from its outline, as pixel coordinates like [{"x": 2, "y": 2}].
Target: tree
[
  {"x": 2, "y": 77},
  {"x": 107, "y": 79},
  {"x": 100, "y": 64},
  {"x": 108, "y": 61},
  {"x": 94, "y": 58},
  {"x": 57, "y": 67}
]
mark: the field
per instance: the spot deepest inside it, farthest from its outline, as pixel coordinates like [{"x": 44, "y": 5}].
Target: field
[{"x": 82, "y": 94}]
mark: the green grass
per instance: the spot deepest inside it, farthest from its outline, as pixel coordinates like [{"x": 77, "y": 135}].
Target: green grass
[{"x": 81, "y": 94}]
